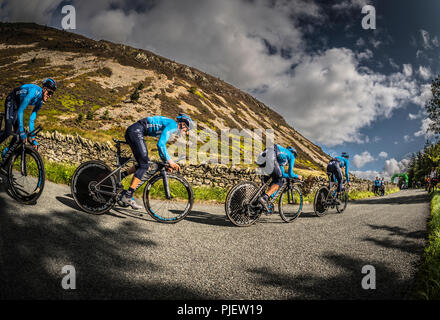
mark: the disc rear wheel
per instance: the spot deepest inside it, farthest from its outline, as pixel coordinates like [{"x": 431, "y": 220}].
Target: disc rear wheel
[
  {"x": 90, "y": 192},
  {"x": 238, "y": 208},
  {"x": 320, "y": 204}
]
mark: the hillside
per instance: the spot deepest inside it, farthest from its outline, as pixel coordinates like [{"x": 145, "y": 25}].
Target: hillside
[{"x": 104, "y": 87}]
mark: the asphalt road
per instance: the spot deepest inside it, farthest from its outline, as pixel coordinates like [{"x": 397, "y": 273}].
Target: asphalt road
[{"x": 124, "y": 256}]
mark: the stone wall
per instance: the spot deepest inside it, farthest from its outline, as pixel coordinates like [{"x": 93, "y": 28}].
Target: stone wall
[{"x": 75, "y": 149}]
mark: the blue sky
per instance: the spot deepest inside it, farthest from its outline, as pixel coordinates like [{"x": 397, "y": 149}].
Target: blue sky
[
  {"x": 343, "y": 87},
  {"x": 407, "y": 31}
]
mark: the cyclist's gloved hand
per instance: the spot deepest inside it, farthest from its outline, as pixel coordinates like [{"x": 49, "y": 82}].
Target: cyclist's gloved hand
[
  {"x": 23, "y": 135},
  {"x": 34, "y": 142}
]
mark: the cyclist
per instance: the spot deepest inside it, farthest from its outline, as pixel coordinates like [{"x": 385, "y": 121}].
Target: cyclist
[
  {"x": 334, "y": 167},
  {"x": 15, "y": 105},
  {"x": 156, "y": 126},
  {"x": 376, "y": 185},
  {"x": 382, "y": 186},
  {"x": 272, "y": 161}
]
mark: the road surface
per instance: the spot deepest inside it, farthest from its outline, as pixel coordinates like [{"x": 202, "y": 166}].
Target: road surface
[{"x": 123, "y": 256}]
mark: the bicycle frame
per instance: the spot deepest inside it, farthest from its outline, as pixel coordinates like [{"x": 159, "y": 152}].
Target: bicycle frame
[
  {"x": 332, "y": 187},
  {"x": 286, "y": 183},
  {"x": 122, "y": 161}
]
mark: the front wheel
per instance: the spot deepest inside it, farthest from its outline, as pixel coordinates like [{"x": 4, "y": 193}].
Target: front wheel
[
  {"x": 26, "y": 175},
  {"x": 168, "y": 198},
  {"x": 343, "y": 198},
  {"x": 88, "y": 195},
  {"x": 290, "y": 204},
  {"x": 320, "y": 205},
  {"x": 238, "y": 208}
]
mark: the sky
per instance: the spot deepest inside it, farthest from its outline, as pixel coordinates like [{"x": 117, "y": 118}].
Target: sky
[{"x": 344, "y": 87}]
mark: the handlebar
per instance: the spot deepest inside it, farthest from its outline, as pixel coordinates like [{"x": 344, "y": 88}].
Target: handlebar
[{"x": 33, "y": 133}]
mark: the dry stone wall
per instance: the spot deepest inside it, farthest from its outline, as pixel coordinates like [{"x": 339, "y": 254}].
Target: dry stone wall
[{"x": 75, "y": 149}]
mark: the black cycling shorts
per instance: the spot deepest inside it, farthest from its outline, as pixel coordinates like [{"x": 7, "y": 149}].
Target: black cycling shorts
[
  {"x": 11, "y": 117},
  {"x": 334, "y": 168},
  {"x": 134, "y": 135}
]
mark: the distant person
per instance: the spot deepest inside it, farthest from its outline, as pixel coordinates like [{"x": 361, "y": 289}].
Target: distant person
[
  {"x": 433, "y": 178},
  {"x": 382, "y": 186},
  {"x": 433, "y": 174},
  {"x": 376, "y": 185}
]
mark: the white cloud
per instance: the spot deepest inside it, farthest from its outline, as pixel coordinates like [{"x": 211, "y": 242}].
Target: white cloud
[
  {"x": 328, "y": 96},
  {"x": 393, "y": 166},
  {"x": 369, "y": 174},
  {"x": 350, "y": 4},
  {"x": 27, "y": 11},
  {"x": 360, "y": 42},
  {"x": 367, "y": 54},
  {"x": 376, "y": 43},
  {"x": 426, "y": 39},
  {"x": 412, "y": 116},
  {"x": 383, "y": 154},
  {"x": 407, "y": 70},
  {"x": 425, "y": 72},
  {"x": 424, "y": 95},
  {"x": 435, "y": 41},
  {"x": 359, "y": 160},
  {"x": 352, "y": 98},
  {"x": 393, "y": 64},
  {"x": 424, "y": 129},
  {"x": 407, "y": 138}
]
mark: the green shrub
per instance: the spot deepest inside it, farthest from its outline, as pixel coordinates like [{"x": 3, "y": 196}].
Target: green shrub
[
  {"x": 90, "y": 115},
  {"x": 106, "y": 115},
  {"x": 80, "y": 118},
  {"x": 134, "y": 96}
]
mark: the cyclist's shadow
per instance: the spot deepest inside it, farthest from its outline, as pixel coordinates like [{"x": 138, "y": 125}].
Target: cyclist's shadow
[
  {"x": 117, "y": 212},
  {"x": 204, "y": 217}
]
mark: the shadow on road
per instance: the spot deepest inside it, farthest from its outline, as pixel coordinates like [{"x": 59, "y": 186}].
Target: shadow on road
[
  {"x": 68, "y": 202},
  {"x": 409, "y": 199},
  {"x": 347, "y": 284},
  {"x": 34, "y": 248},
  {"x": 398, "y": 238},
  {"x": 204, "y": 217}
]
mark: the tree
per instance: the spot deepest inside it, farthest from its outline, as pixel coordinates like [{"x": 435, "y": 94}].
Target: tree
[{"x": 433, "y": 107}]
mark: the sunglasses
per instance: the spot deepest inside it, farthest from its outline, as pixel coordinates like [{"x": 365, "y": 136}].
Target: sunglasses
[{"x": 49, "y": 93}]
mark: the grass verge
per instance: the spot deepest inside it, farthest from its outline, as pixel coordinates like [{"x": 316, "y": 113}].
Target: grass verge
[{"x": 428, "y": 280}]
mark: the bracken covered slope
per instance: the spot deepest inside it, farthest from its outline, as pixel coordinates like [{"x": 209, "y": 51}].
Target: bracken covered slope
[{"x": 103, "y": 87}]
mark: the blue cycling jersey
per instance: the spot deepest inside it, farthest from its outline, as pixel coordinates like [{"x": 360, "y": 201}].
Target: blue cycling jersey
[
  {"x": 162, "y": 127},
  {"x": 28, "y": 94},
  {"x": 285, "y": 157},
  {"x": 343, "y": 162}
]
